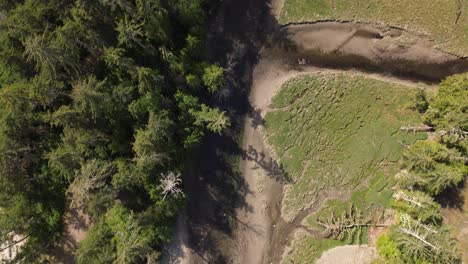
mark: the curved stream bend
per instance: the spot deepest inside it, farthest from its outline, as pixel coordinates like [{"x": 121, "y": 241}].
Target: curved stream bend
[
  {"x": 234, "y": 216},
  {"x": 351, "y": 45}
]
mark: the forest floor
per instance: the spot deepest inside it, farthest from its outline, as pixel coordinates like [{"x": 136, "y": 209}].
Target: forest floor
[
  {"x": 235, "y": 186},
  {"x": 76, "y": 226},
  {"x": 455, "y": 214}
]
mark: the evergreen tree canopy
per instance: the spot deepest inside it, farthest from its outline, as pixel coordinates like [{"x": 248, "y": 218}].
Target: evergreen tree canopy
[
  {"x": 449, "y": 109},
  {"x": 98, "y": 99}
]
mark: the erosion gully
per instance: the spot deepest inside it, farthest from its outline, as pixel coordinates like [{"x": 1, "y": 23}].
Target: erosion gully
[{"x": 234, "y": 188}]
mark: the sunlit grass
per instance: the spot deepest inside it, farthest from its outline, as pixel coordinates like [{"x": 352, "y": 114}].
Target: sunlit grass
[
  {"x": 335, "y": 131},
  {"x": 339, "y": 132}
]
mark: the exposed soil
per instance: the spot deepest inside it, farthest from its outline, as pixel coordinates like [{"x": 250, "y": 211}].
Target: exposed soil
[
  {"x": 348, "y": 255},
  {"x": 233, "y": 213},
  {"x": 76, "y": 223},
  {"x": 455, "y": 212},
  {"x": 348, "y": 45}
]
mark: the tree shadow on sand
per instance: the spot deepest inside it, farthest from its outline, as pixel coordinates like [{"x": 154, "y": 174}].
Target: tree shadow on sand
[
  {"x": 268, "y": 164},
  {"x": 214, "y": 186},
  {"x": 76, "y": 224},
  {"x": 256, "y": 118}
]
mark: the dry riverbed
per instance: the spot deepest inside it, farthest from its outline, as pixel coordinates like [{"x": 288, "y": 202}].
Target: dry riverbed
[{"x": 259, "y": 233}]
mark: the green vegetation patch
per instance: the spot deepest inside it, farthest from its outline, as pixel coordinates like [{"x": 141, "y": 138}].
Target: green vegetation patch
[
  {"x": 378, "y": 193},
  {"x": 444, "y": 21},
  {"x": 334, "y": 131},
  {"x": 306, "y": 249},
  {"x": 366, "y": 205},
  {"x": 102, "y": 105},
  {"x": 369, "y": 202}
]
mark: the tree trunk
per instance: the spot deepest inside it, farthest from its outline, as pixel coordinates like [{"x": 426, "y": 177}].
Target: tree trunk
[{"x": 417, "y": 128}]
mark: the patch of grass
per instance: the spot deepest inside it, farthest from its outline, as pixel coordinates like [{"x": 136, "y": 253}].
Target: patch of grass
[
  {"x": 377, "y": 194},
  {"x": 335, "y": 131},
  {"x": 306, "y": 249},
  {"x": 370, "y": 201},
  {"x": 337, "y": 208},
  {"x": 444, "y": 21}
]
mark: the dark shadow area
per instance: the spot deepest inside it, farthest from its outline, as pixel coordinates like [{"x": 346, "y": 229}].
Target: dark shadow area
[
  {"x": 77, "y": 220},
  {"x": 215, "y": 189},
  {"x": 452, "y": 197},
  {"x": 213, "y": 184},
  {"x": 233, "y": 219},
  {"x": 257, "y": 119},
  {"x": 239, "y": 33},
  {"x": 273, "y": 168}
]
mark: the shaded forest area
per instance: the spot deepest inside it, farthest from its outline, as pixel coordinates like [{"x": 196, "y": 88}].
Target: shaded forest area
[{"x": 101, "y": 103}]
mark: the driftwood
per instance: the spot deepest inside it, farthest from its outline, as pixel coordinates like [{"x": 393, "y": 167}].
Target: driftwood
[
  {"x": 464, "y": 159},
  {"x": 14, "y": 243},
  {"x": 425, "y": 128},
  {"x": 417, "y": 128},
  {"x": 400, "y": 195}
]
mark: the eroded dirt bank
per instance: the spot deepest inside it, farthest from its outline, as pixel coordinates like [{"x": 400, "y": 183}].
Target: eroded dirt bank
[
  {"x": 233, "y": 210},
  {"x": 387, "y": 50}
]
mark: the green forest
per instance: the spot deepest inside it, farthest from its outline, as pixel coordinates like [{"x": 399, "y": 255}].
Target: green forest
[
  {"x": 101, "y": 103},
  {"x": 431, "y": 169},
  {"x": 127, "y": 123}
]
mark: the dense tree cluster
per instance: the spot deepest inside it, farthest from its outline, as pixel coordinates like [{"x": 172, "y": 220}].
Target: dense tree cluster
[
  {"x": 99, "y": 101},
  {"x": 430, "y": 167}
]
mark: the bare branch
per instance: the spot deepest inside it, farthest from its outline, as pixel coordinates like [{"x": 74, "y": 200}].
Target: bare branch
[
  {"x": 411, "y": 227},
  {"x": 13, "y": 243},
  {"x": 400, "y": 195},
  {"x": 417, "y": 128},
  {"x": 89, "y": 178},
  {"x": 170, "y": 184},
  {"x": 350, "y": 221}
]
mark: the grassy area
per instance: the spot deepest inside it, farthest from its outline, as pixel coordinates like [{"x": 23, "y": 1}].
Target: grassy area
[
  {"x": 444, "y": 21},
  {"x": 306, "y": 249},
  {"x": 371, "y": 201},
  {"x": 335, "y": 131},
  {"x": 338, "y": 132}
]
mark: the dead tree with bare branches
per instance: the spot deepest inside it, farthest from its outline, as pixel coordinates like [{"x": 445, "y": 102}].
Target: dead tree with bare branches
[
  {"x": 349, "y": 223},
  {"x": 170, "y": 185}
]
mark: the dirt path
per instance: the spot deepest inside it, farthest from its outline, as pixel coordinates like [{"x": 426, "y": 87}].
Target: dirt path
[
  {"x": 77, "y": 224},
  {"x": 234, "y": 214},
  {"x": 455, "y": 212}
]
